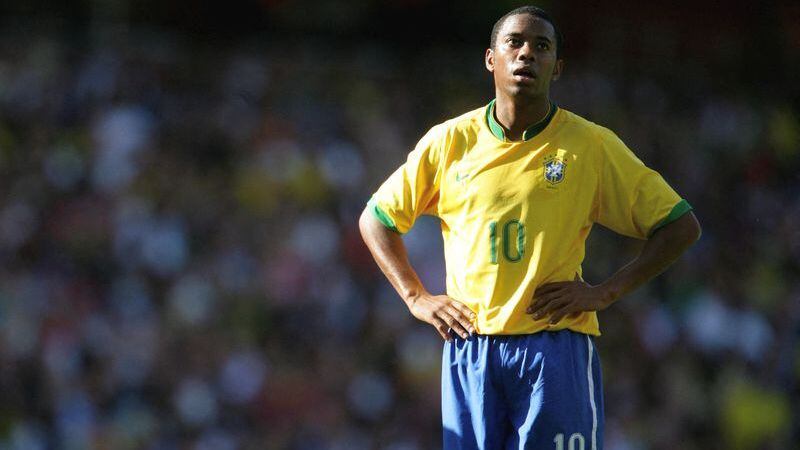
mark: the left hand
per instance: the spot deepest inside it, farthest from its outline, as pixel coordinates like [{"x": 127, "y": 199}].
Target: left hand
[{"x": 567, "y": 297}]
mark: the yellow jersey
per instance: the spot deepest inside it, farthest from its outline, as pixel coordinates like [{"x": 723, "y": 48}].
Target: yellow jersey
[{"x": 516, "y": 215}]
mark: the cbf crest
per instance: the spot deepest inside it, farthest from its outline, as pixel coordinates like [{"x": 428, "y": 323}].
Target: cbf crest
[{"x": 554, "y": 169}]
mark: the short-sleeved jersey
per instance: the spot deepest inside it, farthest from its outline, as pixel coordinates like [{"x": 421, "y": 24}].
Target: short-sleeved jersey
[{"x": 516, "y": 215}]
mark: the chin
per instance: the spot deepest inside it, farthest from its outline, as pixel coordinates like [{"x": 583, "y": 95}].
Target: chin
[{"x": 517, "y": 90}]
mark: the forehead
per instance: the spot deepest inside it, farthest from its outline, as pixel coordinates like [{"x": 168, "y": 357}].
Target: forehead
[{"x": 528, "y": 25}]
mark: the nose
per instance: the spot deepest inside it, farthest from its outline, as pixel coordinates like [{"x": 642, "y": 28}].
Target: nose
[{"x": 525, "y": 52}]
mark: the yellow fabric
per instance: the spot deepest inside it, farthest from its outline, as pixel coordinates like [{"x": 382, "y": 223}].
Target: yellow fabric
[{"x": 493, "y": 199}]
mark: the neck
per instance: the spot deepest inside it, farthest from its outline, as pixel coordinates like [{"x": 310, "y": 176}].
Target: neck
[{"x": 516, "y": 114}]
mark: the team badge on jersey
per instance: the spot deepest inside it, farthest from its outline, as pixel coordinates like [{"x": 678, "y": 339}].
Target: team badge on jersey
[{"x": 554, "y": 169}]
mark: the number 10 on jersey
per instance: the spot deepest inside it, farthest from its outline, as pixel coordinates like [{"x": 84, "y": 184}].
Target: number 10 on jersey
[{"x": 507, "y": 237}]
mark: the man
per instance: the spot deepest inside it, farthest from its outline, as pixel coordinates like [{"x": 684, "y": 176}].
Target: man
[{"x": 518, "y": 185}]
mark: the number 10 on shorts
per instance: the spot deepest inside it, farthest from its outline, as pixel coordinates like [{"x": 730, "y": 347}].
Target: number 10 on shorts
[
  {"x": 513, "y": 249},
  {"x": 575, "y": 442}
]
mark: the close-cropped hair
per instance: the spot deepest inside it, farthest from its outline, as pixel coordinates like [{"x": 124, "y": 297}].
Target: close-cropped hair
[{"x": 533, "y": 11}]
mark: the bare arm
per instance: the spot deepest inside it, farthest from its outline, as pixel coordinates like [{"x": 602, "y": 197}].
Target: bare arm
[
  {"x": 389, "y": 251},
  {"x": 660, "y": 251}
]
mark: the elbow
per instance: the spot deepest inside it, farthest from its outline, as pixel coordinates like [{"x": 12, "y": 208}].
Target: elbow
[
  {"x": 695, "y": 231},
  {"x": 689, "y": 231},
  {"x": 682, "y": 233},
  {"x": 363, "y": 223}
]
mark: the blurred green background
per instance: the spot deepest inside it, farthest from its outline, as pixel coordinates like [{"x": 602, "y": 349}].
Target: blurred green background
[{"x": 180, "y": 266}]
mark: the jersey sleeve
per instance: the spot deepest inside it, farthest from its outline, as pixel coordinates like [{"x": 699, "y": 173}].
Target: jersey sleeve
[
  {"x": 413, "y": 189},
  {"x": 633, "y": 199}
]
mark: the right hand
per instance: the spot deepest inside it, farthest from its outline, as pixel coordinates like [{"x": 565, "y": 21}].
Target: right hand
[{"x": 443, "y": 312}]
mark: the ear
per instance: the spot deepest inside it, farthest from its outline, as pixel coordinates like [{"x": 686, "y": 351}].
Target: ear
[
  {"x": 489, "y": 60},
  {"x": 557, "y": 69}
]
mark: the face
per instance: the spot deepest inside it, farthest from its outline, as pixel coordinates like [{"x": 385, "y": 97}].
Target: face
[{"x": 524, "y": 58}]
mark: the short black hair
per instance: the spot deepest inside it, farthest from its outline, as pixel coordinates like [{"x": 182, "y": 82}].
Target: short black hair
[{"x": 533, "y": 11}]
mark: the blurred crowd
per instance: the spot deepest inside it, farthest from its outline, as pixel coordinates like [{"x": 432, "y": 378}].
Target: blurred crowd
[{"x": 180, "y": 265}]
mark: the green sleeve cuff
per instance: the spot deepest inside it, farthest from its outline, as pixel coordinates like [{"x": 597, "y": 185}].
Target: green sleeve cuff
[
  {"x": 677, "y": 212},
  {"x": 381, "y": 215}
]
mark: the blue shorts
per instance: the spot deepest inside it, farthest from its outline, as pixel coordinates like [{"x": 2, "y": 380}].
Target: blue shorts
[{"x": 534, "y": 391}]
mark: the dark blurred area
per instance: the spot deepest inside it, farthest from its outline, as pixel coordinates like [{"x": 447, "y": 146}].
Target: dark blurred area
[{"x": 180, "y": 265}]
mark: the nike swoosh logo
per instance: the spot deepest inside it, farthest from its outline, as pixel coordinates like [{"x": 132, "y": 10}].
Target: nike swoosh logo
[{"x": 460, "y": 178}]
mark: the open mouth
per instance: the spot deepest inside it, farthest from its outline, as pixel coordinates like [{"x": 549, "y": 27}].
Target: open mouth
[{"x": 524, "y": 73}]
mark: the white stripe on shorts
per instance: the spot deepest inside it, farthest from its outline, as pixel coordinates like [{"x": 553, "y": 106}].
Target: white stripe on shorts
[{"x": 591, "y": 394}]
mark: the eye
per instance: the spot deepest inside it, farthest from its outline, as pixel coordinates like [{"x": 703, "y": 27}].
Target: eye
[
  {"x": 514, "y": 42},
  {"x": 543, "y": 46}
]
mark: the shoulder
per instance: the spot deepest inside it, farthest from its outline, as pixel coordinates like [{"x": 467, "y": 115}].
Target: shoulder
[
  {"x": 446, "y": 135},
  {"x": 467, "y": 123},
  {"x": 583, "y": 126},
  {"x": 603, "y": 138}
]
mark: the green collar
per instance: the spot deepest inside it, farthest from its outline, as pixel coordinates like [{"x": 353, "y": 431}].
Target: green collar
[{"x": 500, "y": 133}]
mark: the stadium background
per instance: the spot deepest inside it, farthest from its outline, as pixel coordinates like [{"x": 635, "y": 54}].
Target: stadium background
[{"x": 180, "y": 266}]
